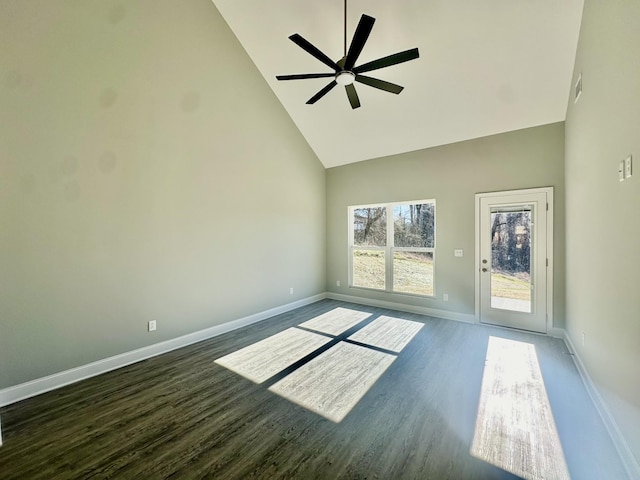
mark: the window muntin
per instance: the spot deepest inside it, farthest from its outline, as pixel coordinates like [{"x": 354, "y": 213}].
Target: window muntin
[{"x": 392, "y": 247}]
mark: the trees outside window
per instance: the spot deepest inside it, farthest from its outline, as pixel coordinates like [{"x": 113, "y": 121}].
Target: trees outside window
[{"x": 392, "y": 247}]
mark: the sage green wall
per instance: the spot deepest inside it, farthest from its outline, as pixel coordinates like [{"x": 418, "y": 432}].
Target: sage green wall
[
  {"x": 146, "y": 172},
  {"x": 603, "y": 219},
  {"x": 452, "y": 174}
]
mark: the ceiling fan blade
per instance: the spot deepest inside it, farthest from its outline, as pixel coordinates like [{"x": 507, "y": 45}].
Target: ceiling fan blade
[
  {"x": 321, "y": 93},
  {"x": 353, "y": 96},
  {"x": 309, "y": 48},
  {"x": 388, "y": 61},
  {"x": 380, "y": 84},
  {"x": 302, "y": 76},
  {"x": 359, "y": 39}
]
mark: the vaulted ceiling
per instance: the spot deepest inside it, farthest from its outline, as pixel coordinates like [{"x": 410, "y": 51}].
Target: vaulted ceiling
[{"x": 485, "y": 67}]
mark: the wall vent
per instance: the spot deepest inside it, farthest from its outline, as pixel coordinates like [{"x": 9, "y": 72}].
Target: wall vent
[{"x": 578, "y": 88}]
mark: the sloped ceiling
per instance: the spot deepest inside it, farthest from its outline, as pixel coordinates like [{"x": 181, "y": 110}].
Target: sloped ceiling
[{"x": 485, "y": 67}]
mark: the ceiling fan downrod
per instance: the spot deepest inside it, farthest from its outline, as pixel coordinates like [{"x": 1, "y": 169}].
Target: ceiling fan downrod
[
  {"x": 344, "y": 77},
  {"x": 345, "y": 29}
]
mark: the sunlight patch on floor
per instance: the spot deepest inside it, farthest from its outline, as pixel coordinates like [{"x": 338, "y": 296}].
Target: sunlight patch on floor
[
  {"x": 515, "y": 429},
  {"x": 335, "y": 381},
  {"x": 264, "y": 359},
  {"x": 336, "y": 321},
  {"x": 390, "y": 333},
  {"x": 326, "y": 379}
]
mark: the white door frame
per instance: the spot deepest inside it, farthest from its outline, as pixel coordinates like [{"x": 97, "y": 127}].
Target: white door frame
[{"x": 549, "y": 271}]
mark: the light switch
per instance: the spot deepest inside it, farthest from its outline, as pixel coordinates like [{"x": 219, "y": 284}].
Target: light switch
[{"x": 458, "y": 252}]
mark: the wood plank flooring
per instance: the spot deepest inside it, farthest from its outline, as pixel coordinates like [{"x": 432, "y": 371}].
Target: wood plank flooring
[{"x": 181, "y": 415}]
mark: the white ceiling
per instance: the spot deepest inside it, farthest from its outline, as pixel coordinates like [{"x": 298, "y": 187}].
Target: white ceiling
[{"x": 485, "y": 67}]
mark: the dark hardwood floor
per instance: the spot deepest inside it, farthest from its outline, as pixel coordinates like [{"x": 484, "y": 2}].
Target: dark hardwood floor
[{"x": 180, "y": 415}]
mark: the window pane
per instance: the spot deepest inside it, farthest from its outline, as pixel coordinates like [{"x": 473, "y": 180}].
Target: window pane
[
  {"x": 413, "y": 272},
  {"x": 370, "y": 227},
  {"x": 368, "y": 269},
  {"x": 414, "y": 225},
  {"x": 511, "y": 259}
]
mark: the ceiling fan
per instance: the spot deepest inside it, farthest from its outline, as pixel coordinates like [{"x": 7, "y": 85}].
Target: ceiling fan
[{"x": 344, "y": 70}]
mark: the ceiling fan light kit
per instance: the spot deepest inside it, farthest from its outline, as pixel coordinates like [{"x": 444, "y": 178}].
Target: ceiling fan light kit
[
  {"x": 345, "y": 78},
  {"x": 344, "y": 71}
]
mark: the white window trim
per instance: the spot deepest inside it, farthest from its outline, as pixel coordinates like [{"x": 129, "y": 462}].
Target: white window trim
[{"x": 390, "y": 248}]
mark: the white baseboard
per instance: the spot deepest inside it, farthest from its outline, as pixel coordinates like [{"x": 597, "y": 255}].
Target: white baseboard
[
  {"x": 433, "y": 312},
  {"x": 45, "y": 384},
  {"x": 629, "y": 460}
]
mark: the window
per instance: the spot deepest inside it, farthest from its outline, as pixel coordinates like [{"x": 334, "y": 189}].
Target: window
[{"x": 392, "y": 247}]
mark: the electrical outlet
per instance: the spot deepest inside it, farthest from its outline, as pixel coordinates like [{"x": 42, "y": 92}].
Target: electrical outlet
[
  {"x": 458, "y": 252},
  {"x": 445, "y": 297},
  {"x": 621, "y": 171},
  {"x": 337, "y": 283},
  {"x": 152, "y": 325},
  {"x": 291, "y": 291}
]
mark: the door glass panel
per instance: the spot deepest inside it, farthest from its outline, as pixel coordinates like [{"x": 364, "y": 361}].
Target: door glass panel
[{"x": 511, "y": 283}]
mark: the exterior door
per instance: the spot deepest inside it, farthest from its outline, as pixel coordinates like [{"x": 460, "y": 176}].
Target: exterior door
[{"x": 513, "y": 258}]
